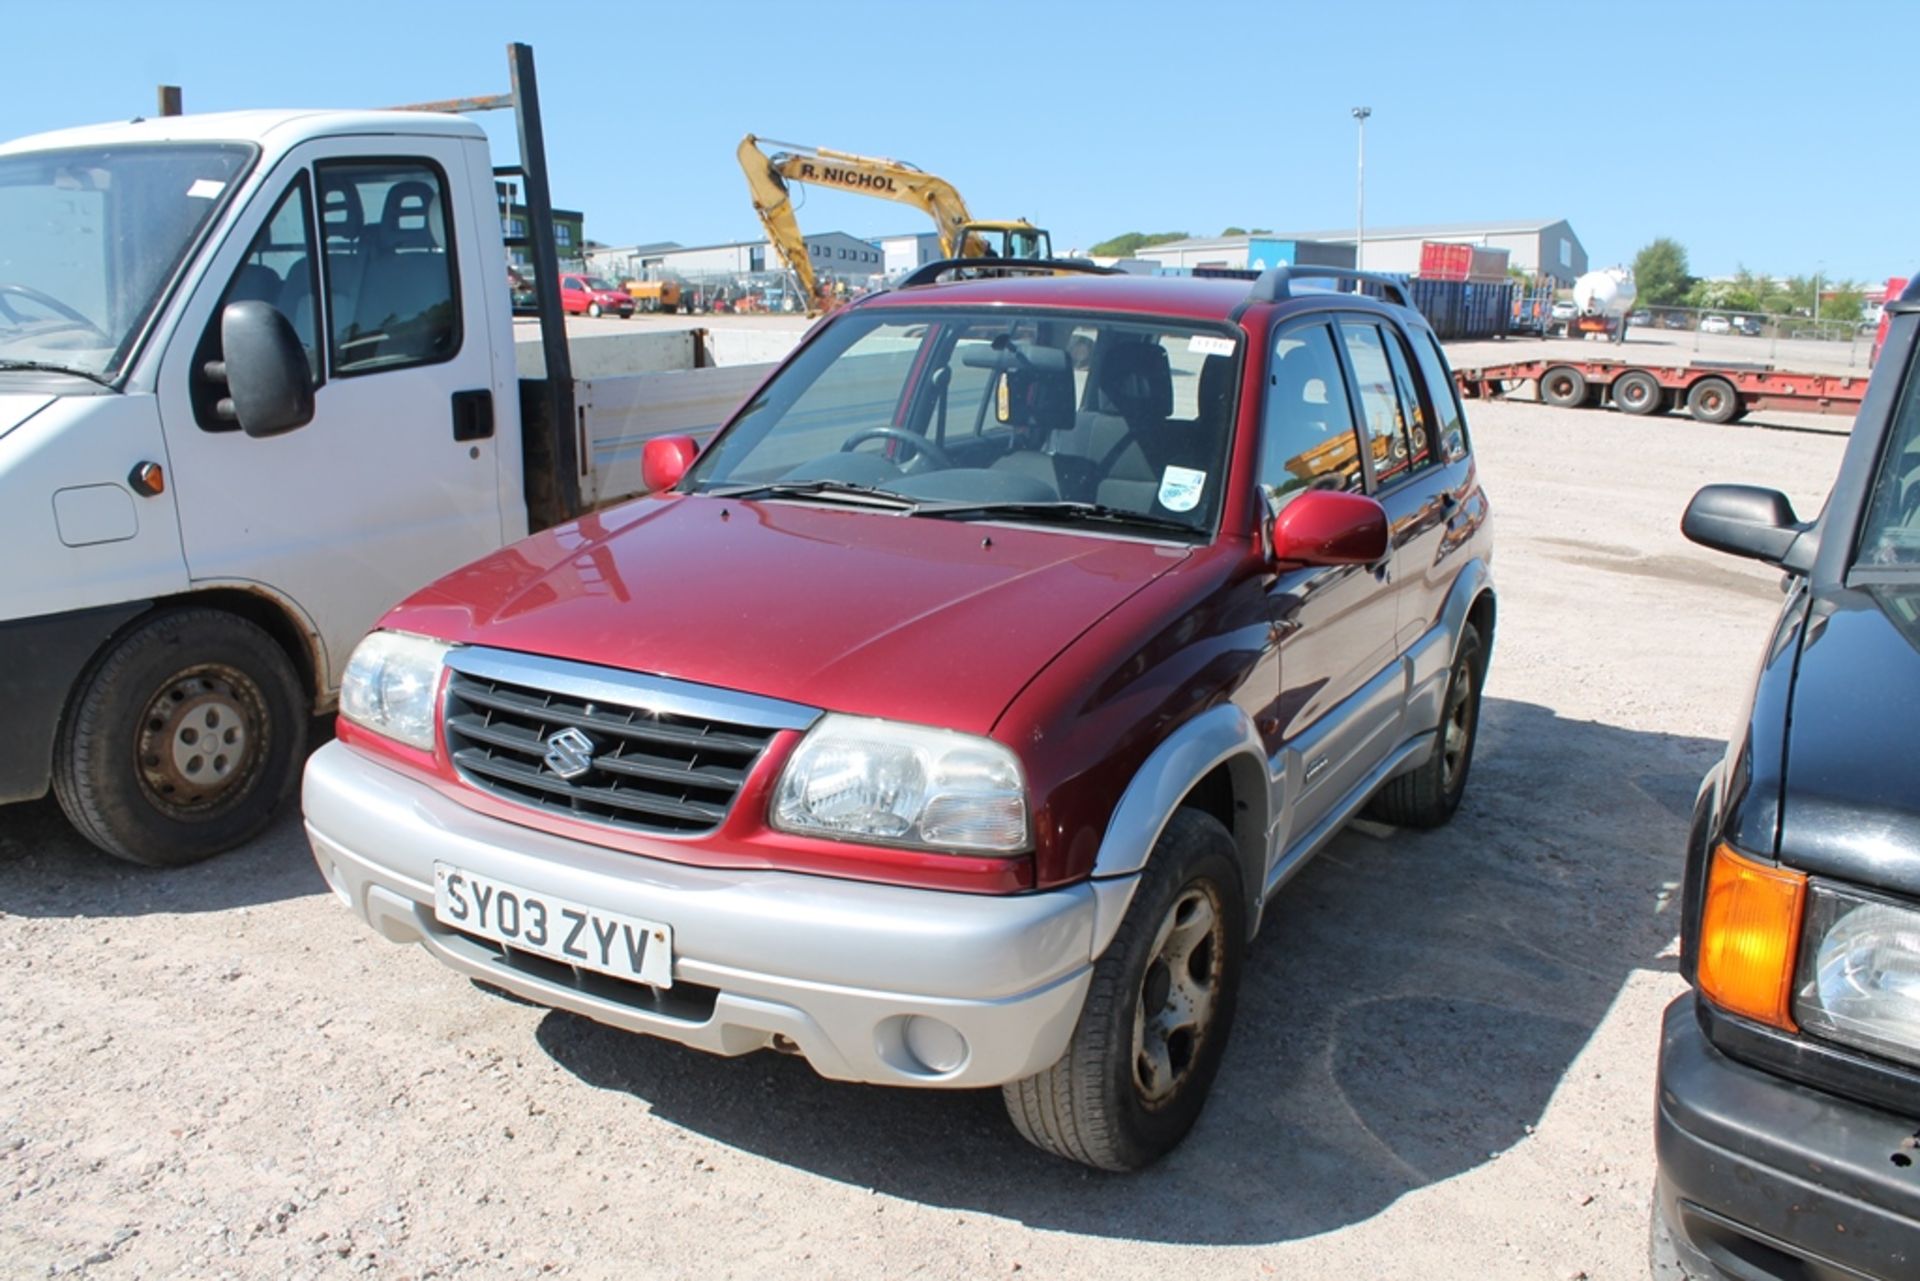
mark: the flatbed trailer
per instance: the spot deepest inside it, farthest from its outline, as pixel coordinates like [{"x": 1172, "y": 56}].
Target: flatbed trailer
[{"x": 1719, "y": 393}]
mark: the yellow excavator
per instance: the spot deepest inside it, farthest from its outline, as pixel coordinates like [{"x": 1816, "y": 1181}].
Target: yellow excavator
[{"x": 961, "y": 236}]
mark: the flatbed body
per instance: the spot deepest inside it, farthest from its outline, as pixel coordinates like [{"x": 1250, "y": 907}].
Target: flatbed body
[{"x": 1571, "y": 383}]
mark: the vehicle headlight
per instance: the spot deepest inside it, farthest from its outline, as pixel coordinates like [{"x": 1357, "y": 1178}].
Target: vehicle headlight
[
  {"x": 894, "y": 784},
  {"x": 390, "y": 684},
  {"x": 1859, "y": 979}
]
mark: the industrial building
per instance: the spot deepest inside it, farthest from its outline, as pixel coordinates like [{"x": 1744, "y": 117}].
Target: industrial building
[
  {"x": 1544, "y": 247},
  {"x": 834, "y": 253}
]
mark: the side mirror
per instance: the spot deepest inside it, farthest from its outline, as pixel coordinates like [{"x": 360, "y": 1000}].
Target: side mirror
[
  {"x": 268, "y": 379},
  {"x": 1745, "y": 520},
  {"x": 664, "y": 460},
  {"x": 1329, "y": 527}
]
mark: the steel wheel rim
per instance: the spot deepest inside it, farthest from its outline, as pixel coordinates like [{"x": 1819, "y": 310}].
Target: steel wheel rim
[
  {"x": 1456, "y": 728},
  {"x": 202, "y": 740},
  {"x": 1179, "y": 993}
]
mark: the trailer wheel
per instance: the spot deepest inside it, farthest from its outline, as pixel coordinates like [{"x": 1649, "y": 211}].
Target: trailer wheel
[
  {"x": 1564, "y": 387},
  {"x": 1713, "y": 400},
  {"x": 1638, "y": 392},
  {"x": 183, "y": 740}
]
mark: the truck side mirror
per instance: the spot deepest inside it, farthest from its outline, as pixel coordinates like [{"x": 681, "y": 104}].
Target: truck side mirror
[
  {"x": 664, "y": 460},
  {"x": 268, "y": 380},
  {"x": 1744, "y": 520},
  {"x": 1330, "y": 527}
]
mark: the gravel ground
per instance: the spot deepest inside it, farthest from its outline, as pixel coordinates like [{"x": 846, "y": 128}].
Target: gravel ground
[{"x": 1443, "y": 1066}]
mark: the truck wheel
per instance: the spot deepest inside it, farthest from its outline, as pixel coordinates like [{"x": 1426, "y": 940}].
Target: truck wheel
[
  {"x": 1150, "y": 1037},
  {"x": 1563, "y": 386},
  {"x": 183, "y": 739},
  {"x": 1713, "y": 400},
  {"x": 1428, "y": 796},
  {"x": 1638, "y": 392}
]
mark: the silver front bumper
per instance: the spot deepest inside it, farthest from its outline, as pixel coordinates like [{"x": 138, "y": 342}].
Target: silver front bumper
[{"x": 835, "y": 967}]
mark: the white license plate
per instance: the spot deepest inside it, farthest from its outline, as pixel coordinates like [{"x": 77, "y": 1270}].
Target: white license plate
[{"x": 557, "y": 928}]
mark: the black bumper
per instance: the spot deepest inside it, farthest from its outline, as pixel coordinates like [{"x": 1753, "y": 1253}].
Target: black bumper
[
  {"x": 40, "y": 659},
  {"x": 1761, "y": 1177}
]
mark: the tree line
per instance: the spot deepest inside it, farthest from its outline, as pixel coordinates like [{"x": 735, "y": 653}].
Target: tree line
[{"x": 1661, "y": 279}]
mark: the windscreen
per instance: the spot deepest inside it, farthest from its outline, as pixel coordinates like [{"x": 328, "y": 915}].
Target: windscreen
[
  {"x": 1003, "y": 407},
  {"x": 1891, "y": 533},
  {"x": 90, "y": 239}
]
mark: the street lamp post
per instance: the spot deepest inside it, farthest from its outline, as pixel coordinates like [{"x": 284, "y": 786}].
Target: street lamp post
[
  {"x": 1817, "y": 273},
  {"x": 1360, "y": 114}
]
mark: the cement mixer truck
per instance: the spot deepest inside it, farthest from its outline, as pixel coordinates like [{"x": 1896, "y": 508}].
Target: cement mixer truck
[{"x": 1601, "y": 301}]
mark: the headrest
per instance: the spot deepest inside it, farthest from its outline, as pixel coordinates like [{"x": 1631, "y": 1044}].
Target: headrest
[
  {"x": 1041, "y": 399},
  {"x": 340, "y": 216},
  {"x": 1296, "y": 371},
  {"x": 407, "y": 218},
  {"x": 1216, "y": 387},
  {"x": 1135, "y": 381}
]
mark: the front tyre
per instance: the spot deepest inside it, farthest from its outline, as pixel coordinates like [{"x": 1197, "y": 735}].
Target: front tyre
[
  {"x": 183, "y": 740},
  {"x": 593, "y": 309},
  {"x": 1157, "y": 1014}
]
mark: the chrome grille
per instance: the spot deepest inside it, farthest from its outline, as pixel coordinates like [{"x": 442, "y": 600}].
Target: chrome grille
[{"x": 659, "y": 763}]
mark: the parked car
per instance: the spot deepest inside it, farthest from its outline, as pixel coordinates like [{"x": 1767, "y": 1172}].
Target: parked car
[
  {"x": 1788, "y": 1123},
  {"x": 1715, "y": 325},
  {"x": 1565, "y": 310},
  {"x": 1747, "y": 325},
  {"x": 1640, "y": 318},
  {"x": 1674, "y": 320},
  {"x": 952, "y": 719},
  {"x": 592, "y": 296}
]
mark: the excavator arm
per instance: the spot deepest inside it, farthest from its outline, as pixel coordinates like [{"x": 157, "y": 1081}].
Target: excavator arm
[
  {"x": 770, "y": 179},
  {"x": 774, "y": 203}
]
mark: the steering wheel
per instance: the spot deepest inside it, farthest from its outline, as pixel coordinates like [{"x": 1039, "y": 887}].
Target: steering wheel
[
  {"x": 52, "y": 304},
  {"x": 919, "y": 444}
]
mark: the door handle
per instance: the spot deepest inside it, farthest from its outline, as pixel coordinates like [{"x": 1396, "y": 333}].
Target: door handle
[{"x": 473, "y": 415}]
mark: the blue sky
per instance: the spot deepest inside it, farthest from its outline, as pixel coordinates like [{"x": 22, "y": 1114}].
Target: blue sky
[{"x": 1755, "y": 133}]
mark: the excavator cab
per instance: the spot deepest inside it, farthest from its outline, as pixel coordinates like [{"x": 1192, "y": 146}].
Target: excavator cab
[{"x": 1020, "y": 240}]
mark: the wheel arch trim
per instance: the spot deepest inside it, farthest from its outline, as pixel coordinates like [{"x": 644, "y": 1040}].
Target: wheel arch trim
[{"x": 1221, "y": 736}]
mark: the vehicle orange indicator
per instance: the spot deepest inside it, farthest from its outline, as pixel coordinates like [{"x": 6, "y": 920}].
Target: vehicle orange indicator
[
  {"x": 1749, "y": 933},
  {"x": 148, "y": 480}
]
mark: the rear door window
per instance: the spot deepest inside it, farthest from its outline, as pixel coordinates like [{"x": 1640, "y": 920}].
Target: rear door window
[
  {"x": 1384, "y": 416},
  {"x": 1451, "y": 421}
]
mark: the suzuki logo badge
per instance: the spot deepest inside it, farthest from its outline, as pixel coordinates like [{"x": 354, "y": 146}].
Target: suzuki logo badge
[{"x": 569, "y": 753}]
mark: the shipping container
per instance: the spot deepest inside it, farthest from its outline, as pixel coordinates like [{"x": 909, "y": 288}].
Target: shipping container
[
  {"x": 1459, "y": 309},
  {"x": 1445, "y": 260}
]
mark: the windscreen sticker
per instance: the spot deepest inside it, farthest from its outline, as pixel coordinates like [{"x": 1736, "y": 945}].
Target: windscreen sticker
[
  {"x": 1210, "y": 345},
  {"x": 205, "y": 188},
  {"x": 1180, "y": 488}
]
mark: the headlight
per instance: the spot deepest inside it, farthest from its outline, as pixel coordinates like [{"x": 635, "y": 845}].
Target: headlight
[
  {"x": 1859, "y": 979},
  {"x": 893, "y": 784},
  {"x": 390, "y": 684}
]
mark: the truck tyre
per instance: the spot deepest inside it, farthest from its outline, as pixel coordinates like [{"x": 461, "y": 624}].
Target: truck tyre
[
  {"x": 1428, "y": 796},
  {"x": 1638, "y": 392},
  {"x": 1563, "y": 386},
  {"x": 1713, "y": 400},
  {"x": 183, "y": 739},
  {"x": 1157, "y": 1014}
]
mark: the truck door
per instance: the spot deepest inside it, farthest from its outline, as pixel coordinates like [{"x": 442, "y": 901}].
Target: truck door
[{"x": 367, "y": 245}]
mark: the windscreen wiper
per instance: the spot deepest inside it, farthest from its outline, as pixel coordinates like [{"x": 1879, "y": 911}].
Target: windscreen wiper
[
  {"x": 1063, "y": 513},
  {"x": 831, "y": 490},
  {"x": 47, "y": 366}
]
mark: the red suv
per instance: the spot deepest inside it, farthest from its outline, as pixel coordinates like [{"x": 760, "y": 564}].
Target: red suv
[
  {"x": 952, "y": 719},
  {"x": 592, "y": 296}
]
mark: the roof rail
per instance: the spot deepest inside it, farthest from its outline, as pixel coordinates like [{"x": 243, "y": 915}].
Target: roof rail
[
  {"x": 932, "y": 271},
  {"x": 1275, "y": 283}
]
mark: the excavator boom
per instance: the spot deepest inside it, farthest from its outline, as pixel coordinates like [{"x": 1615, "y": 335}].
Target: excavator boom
[{"x": 769, "y": 178}]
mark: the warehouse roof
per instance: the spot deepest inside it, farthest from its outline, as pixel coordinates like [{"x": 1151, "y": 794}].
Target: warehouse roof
[{"x": 1344, "y": 235}]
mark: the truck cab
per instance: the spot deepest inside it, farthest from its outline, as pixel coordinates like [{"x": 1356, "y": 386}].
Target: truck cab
[{"x": 254, "y": 371}]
